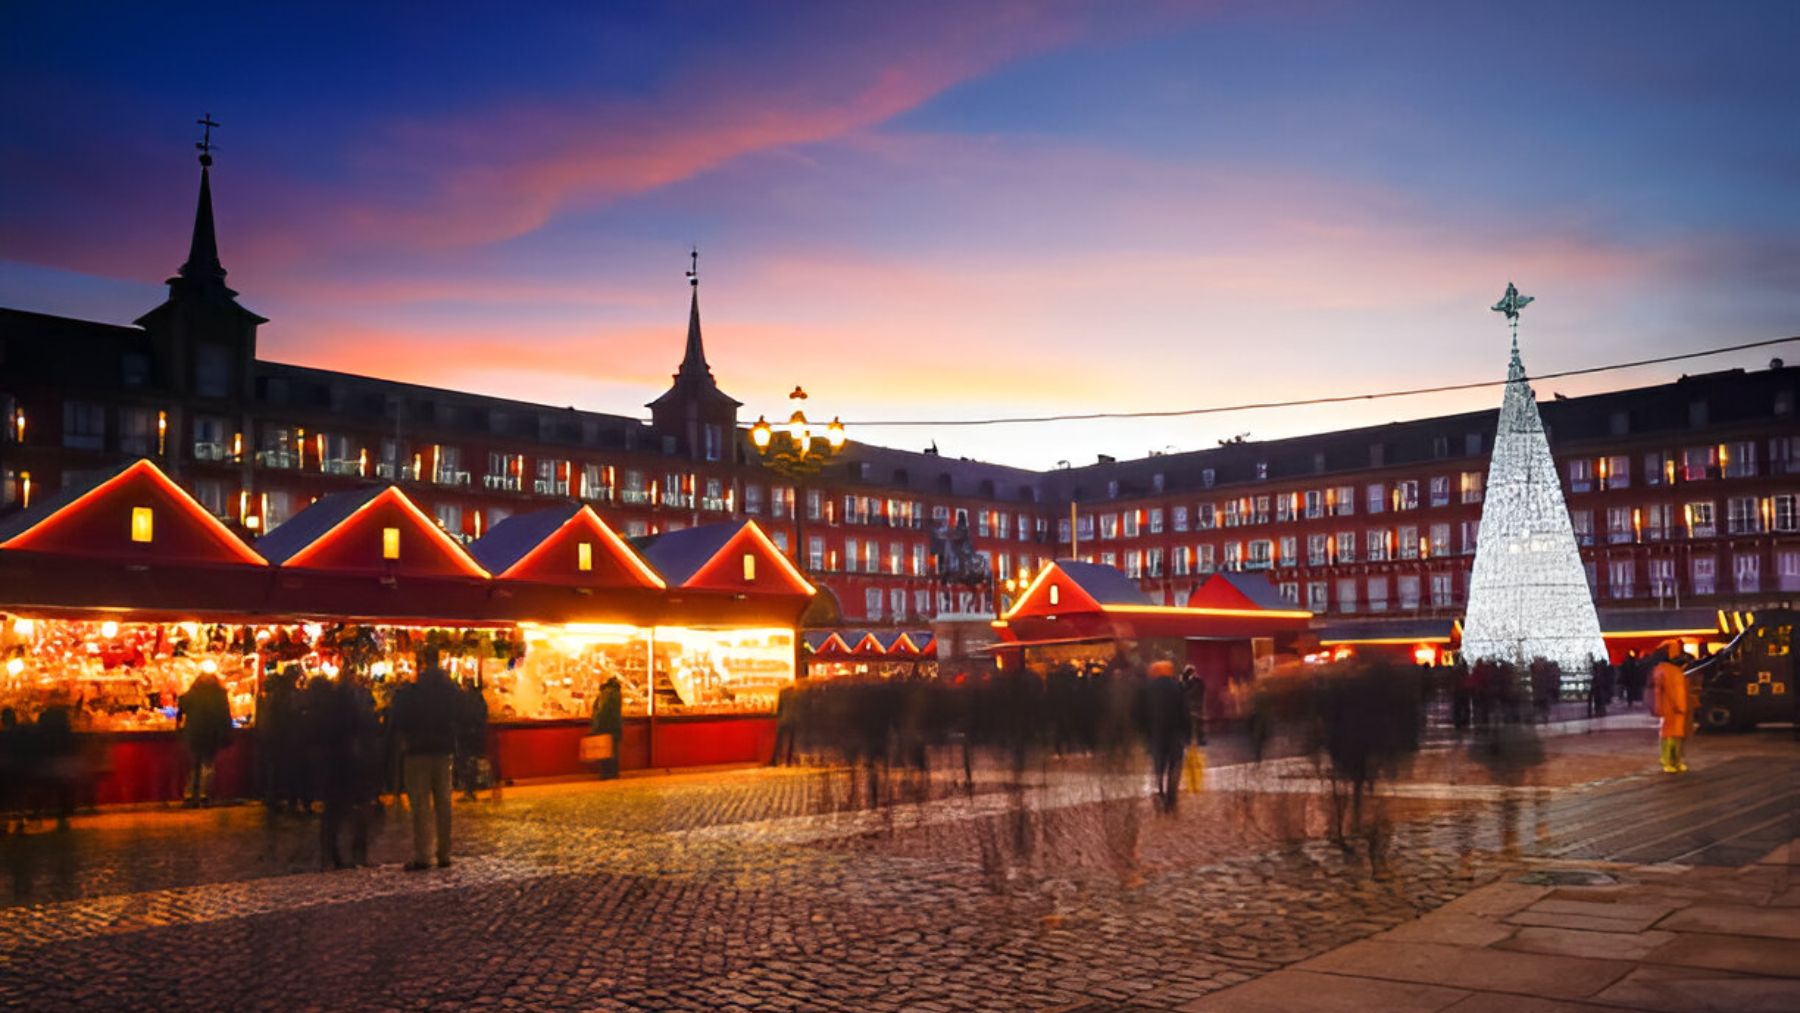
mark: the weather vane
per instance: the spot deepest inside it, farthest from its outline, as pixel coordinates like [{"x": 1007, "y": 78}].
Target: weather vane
[
  {"x": 1510, "y": 304},
  {"x": 204, "y": 144},
  {"x": 693, "y": 274}
]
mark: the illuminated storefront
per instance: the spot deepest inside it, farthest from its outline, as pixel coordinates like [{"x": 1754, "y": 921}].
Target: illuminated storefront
[{"x": 115, "y": 598}]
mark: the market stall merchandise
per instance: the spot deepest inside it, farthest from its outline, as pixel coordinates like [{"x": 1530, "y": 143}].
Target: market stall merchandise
[{"x": 116, "y": 596}]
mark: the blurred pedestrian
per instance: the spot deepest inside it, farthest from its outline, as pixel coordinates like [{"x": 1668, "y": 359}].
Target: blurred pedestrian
[
  {"x": 1193, "y": 688},
  {"x": 1546, "y": 684},
  {"x": 608, "y": 722},
  {"x": 52, "y": 759},
  {"x": 350, "y": 752},
  {"x": 1166, "y": 728},
  {"x": 13, "y": 774},
  {"x": 1600, "y": 688},
  {"x": 1670, "y": 701},
  {"x": 204, "y": 719},
  {"x": 787, "y": 724},
  {"x": 425, "y": 717},
  {"x": 471, "y": 739}
]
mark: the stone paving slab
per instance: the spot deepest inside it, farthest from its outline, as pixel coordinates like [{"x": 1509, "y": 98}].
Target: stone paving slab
[
  {"x": 1736, "y": 919},
  {"x": 1579, "y": 943},
  {"x": 1472, "y": 968},
  {"x": 1690, "y": 990},
  {"x": 1284, "y": 991},
  {"x": 1774, "y": 957}
]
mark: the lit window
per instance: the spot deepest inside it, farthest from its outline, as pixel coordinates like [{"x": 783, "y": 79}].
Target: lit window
[
  {"x": 1055, "y": 595},
  {"x": 584, "y": 556},
  {"x": 390, "y": 543},
  {"x": 143, "y": 524},
  {"x": 749, "y": 566}
]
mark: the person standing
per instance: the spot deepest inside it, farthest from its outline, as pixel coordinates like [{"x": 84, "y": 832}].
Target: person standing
[
  {"x": 1166, "y": 727},
  {"x": 1669, "y": 701},
  {"x": 1193, "y": 688},
  {"x": 349, "y": 753},
  {"x": 471, "y": 739},
  {"x": 609, "y": 720},
  {"x": 204, "y": 718},
  {"x": 787, "y": 723},
  {"x": 425, "y": 719}
]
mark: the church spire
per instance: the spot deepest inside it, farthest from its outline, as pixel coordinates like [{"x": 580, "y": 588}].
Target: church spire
[
  {"x": 693, "y": 361},
  {"x": 203, "y": 251}
]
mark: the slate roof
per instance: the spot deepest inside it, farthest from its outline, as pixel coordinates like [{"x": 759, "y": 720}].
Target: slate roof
[
  {"x": 1107, "y": 585},
  {"x": 1258, "y": 588},
  {"x": 311, "y": 524},
  {"x": 513, "y": 538},
  {"x": 678, "y": 555}
]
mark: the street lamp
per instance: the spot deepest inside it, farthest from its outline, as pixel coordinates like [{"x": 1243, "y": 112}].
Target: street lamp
[{"x": 796, "y": 450}]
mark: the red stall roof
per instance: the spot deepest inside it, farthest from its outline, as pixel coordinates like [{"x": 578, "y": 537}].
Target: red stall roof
[
  {"x": 1073, "y": 599},
  {"x": 376, "y": 529},
  {"x": 567, "y": 545},
  {"x": 734, "y": 556},
  {"x": 134, "y": 514}
]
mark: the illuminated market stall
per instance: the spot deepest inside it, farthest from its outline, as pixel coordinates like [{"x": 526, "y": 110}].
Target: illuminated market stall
[
  {"x": 1085, "y": 614},
  {"x": 887, "y": 654},
  {"x": 115, "y": 596}
]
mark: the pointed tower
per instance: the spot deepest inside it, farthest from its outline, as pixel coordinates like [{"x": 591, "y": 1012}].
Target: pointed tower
[
  {"x": 205, "y": 342},
  {"x": 1528, "y": 594},
  {"x": 701, "y": 417}
]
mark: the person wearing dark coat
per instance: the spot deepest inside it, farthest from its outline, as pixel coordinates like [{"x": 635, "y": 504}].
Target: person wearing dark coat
[
  {"x": 787, "y": 725},
  {"x": 1194, "y": 689},
  {"x": 204, "y": 720},
  {"x": 1166, "y": 727},
  {"x": 609, "y": 719},
  {"x": 349, "y": 750},
  {"x": 425, "y": 716},
  {"x": 471, "y": 739}
]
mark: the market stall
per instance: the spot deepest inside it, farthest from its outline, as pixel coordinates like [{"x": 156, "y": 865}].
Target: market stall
[
  {"x": 117, "y": 596},
  {"x": 1084, "y": 614}
]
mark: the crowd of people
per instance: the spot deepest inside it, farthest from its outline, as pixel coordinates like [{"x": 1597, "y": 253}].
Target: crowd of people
[
  {"x": 336, "y": 745},
  {"x": 877, "y": 725}
]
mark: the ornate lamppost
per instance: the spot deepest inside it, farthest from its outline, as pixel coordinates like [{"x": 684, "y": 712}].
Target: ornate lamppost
[{"x": 796, "y": 450}]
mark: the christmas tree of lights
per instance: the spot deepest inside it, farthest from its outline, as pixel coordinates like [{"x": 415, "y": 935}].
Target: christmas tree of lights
[{"x": 1528, "y": 595}]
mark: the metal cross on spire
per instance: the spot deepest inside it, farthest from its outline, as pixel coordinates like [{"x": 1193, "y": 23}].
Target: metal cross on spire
[
  {"x": 204, "y": 144},
  {"x": 693, "y": 274},
  {"x": 1510, "y": 304}
]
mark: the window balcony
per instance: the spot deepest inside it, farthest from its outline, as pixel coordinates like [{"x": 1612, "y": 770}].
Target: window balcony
[
  {"x": 634, "y": 497},
  {"x": 550, "y": 487},
  {"x": 447, "y": 477},
  {"x": 212, "y": 452},
  {"x": 1618, "y": 537},
  {"x": 712, "y": 503},
  {"x": 277, "y": 459},
  {"x": 501, "y": 483},
  {"x": 341, "y": 467}
]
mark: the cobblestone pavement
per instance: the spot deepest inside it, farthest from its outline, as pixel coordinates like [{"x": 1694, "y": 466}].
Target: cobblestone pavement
[{"x": 769, "y": 890}]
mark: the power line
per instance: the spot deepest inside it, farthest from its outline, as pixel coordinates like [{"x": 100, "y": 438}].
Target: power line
[{"x": 1302, "y": 402}]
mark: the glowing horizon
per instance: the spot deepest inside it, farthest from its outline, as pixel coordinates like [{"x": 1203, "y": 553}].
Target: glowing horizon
[{"x": 932, "y": 212}]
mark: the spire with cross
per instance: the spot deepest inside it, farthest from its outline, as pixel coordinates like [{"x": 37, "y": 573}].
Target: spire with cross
[
  {"x": 693, "y": 273},
  {"x": 204, "y": 144}
]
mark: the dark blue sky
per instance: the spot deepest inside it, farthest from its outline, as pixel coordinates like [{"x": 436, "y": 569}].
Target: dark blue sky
[{"x": 928, "y": 209}]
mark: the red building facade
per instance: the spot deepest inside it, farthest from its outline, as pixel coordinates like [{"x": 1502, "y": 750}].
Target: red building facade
[{"x": 1682, "y": 493}]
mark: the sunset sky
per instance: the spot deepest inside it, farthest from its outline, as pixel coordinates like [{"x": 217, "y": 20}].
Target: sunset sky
[{"x": 930, "y": 210}]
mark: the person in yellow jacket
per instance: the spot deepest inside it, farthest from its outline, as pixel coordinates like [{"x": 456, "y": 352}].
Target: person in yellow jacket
[{"x": 1671, "y": 702}]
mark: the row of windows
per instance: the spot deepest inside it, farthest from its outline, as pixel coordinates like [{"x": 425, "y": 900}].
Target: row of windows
[
  {"x": 1310, "y": 504},
  {"x": 1691, "y": 464},
  {"x": 1746, "y": 576},
  {"x": 1351, "y": 595},
  {"x": 1744, "y": 515}
]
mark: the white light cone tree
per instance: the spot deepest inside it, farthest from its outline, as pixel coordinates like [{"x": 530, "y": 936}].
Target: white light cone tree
[{"x": 1528, "y": 595}]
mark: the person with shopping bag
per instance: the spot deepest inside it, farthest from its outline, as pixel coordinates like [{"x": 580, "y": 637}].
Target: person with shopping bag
[{"x": 601, "y": 745}]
